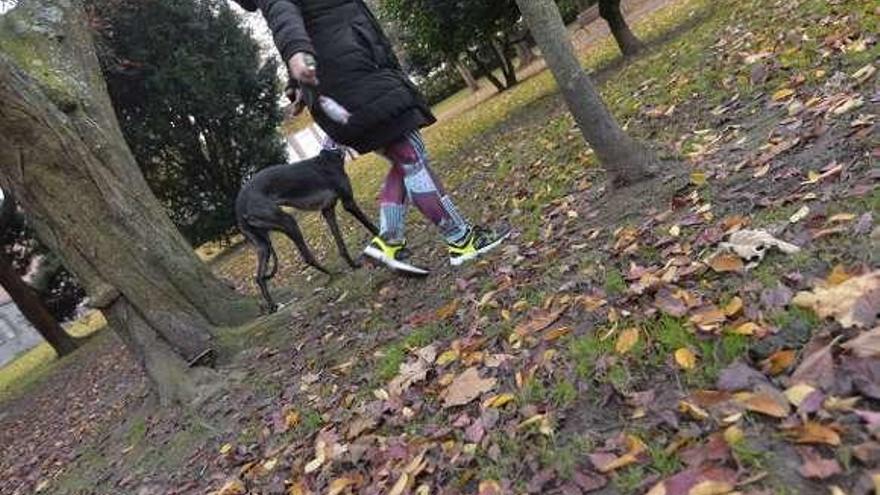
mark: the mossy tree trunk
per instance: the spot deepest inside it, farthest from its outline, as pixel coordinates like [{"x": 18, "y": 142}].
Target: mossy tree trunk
[
  {"x": 67, "y": 162},
  {"x": 625, "y": 160},
  {"x": 627, "y": 41}
]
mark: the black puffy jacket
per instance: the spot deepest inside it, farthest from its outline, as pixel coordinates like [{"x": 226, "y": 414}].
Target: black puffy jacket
[{"x": 356, "y": 67}]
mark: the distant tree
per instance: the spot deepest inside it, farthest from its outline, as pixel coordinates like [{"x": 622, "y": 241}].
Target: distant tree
[
  {"x": 444, "y": 29},
  {"x": 196, "y": 104},
  {"x": 625, "y": 160},
  {"x": 627, "y": 41},
  {"x": 56, "y": 287},
  {"x": 24, "y": 296}
]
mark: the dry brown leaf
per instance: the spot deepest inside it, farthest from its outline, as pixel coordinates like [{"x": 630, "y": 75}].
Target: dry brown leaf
[
  {"x": 726, "y": 262},
  {"x": 866, "y": 345},
  {"x": 401, "y": 484},
  {"x": 734, "y": 307},
  {"x": 538, "y": 321},
  {"x": 627, "y": 340},
  {"x": 500, "y": 400},
  {"x": 838, "y": 275},
  {"x": 233, "y": 486},
  {"x": 748, "y": 328},
  {"x": 855, "y": 302},
  {"x": 448, "y": 310},
  {"x": 635, "y": 448},
  {"x": 340, "y": 485},
  {"x": 708, "y": 318},
  {"x": 556, "y": 333},
  {"x": 685, "y": 358},
  {"x": 814, "y": 432},
  {"x": 489, "y": 487},
  {"x": 765, "y": 403},
  {"x": 466, "y": 387},
  {"x": 778, "y": 362}
]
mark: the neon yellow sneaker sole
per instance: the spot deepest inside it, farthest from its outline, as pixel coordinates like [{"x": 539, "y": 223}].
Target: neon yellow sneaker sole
[{"x": 389, "y": 255}]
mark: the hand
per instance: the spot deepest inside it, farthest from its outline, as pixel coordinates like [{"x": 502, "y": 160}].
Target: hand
[
  {"x": 295, "y": 95},
  {"x": 303, "y": 68}
]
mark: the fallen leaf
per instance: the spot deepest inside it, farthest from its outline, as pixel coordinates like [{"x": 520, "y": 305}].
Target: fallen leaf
[
  {"x": 448, "y": 310},
  {"x": 539, "y": 320},
  {"x": 800, "y": 214},
  {"x": 556, "y": 333},
  {"x": 855, "y": 302},
  {"x": 815, "y": 466},
  {"x": 797, "y": 393},
  {"x": 499, "y": 400},
  {"x": 410, "y": 373},
  {"x": 733, "y": 435},
  {"x": 813, "y": 432},
  {"x": 778, "y": 362},
  {"x": 400, "y": 486},
  {"x": 698, "y": 178},
  {"x": 607, "y": 463},
  {"x": 838, "y": 276},
  {"x": 232, "y": 486},
  {"x": 685, "y": 358},
  {"x": 447, "y": 357},
  {"x": 748, "y": 328},
  {"x": 627, "y": 339},
  {"x": 734, "y": 307},
  {"x": 752, "y": 245},
  {"x": 740, "y": 376},
  {"x": 765, "y": 403},
  {"x": 466, "y": 387},
  {"x": 489, "y": 487},
  {"x": 340, "y": 485},
  {"x": 708, "y": 318},
  {"x": 866, "y": 345},
  {"x": 723, "y": 263},
  {"x": 864, "y": 73},
  {"x": 697, "y": 481},
  {"x": 782, "y": 94},
  {"x": 817, "y": 369}
]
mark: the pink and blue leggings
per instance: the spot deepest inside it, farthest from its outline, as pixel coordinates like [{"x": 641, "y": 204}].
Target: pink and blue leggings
[{"x": 412, "y": 180}]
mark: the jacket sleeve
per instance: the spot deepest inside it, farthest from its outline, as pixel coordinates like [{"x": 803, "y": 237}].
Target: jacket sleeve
[{"x": 288, "y": 28}]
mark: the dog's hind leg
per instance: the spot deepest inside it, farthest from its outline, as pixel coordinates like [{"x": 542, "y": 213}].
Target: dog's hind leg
[
  {"x": 352, "y": 207},
  {"x": 263, "y": 244},
  {"x": 330, "y": 216}
]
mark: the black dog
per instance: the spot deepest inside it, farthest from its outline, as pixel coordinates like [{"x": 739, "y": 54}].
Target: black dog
[{"x": 314, "y": 184}]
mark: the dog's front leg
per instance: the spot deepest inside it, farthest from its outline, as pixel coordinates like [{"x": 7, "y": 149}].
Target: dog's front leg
[
  {"x": 330, "y": 216},
  {"x": 291, "y": 229},
  {"x": 351, "y": 206}
]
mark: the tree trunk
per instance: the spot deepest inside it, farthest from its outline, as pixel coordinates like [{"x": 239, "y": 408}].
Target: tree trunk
[
  {"x": 627, "y": 41},
  {"x": 68, "y": 164},
  {"x": 485, "y": 70},
  {"x": 625, "y": 160},
  {"x": 26, "y": 298},
  {"x": 507, "y": 67},
  {"x": 466, "y": 75},
  {"x": 30, "y": 305}
]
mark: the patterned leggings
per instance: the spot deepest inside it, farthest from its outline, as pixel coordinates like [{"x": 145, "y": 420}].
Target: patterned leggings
[{"x": 411, "y": 179}]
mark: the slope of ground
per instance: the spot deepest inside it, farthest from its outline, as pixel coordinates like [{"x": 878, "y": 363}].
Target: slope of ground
[{"x": 607, "y": 348}]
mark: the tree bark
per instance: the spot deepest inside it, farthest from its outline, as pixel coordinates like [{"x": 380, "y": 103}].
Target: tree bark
[
  {"x": 466, "y": 75},
  {"x": 625, "y": 160},
  {"x": 68, "y": 164},
  {"x": 628, "y": 42},
  {"x": 30, "y": 305}
]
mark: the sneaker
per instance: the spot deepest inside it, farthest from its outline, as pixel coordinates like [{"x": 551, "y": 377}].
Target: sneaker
[
  {"x": 393, "y": 256},
  {"x": 477, "y": 241}
]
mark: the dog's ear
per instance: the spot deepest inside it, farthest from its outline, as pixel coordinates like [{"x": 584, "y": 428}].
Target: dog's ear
[{"x": 249, "y": 5}]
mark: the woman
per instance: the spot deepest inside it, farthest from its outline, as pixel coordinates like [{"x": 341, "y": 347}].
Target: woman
[{"x": 338, "y": 47}]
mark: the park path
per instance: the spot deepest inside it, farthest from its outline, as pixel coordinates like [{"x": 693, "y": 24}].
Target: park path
[{"x": 582, "y": 37}]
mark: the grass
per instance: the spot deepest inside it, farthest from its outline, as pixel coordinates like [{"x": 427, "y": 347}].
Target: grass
[{"x": 33, "y": 365}]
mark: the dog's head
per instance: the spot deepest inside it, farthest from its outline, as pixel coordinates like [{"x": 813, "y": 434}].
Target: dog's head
[{"x": 333, "y": 157}]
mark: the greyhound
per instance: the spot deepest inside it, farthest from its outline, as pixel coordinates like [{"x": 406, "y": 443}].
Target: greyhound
[{"x": 315, "y": 184}]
